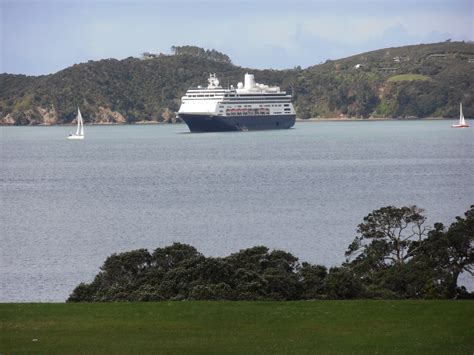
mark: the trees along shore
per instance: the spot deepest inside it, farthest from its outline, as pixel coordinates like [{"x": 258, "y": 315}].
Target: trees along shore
[{"x": 394, "y": 256}]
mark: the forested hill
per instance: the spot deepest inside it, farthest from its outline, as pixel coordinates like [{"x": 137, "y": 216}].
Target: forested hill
[{"x": 427, "y": 80}]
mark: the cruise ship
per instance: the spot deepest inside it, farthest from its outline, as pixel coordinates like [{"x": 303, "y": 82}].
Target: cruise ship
[{"x": 250, "y": 106}]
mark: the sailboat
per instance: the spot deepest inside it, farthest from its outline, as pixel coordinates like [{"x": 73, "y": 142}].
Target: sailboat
[
  {"x": 80, "y": 127},
  {"x": 462, "y": 121}
]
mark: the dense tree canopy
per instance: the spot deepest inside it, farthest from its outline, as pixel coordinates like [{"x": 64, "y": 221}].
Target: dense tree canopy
[
  {"x": 398, "y": 257},
  {"x": 201, "y": 53},
  {"x": 394, "y": 257},
  {"x": 449, "y": 252}
]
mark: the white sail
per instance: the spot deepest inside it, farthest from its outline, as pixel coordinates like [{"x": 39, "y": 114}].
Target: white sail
[
  {"x": 81, "y": 123},
  {"x": 78, "y": 119},
  {"x": 80, "y": 127},
  {"x": 462, "y": 121}
]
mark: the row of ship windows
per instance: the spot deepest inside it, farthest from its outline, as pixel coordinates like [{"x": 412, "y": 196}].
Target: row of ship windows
[
  {"x": 209, "y": 95},
  {"x": 246, "y": 112},
  {"x": 242, "y": 97},
  {"x": 203, "y": 95},
  {"x": 249, "y": 106},
  {"x": 251, "y": 111}
]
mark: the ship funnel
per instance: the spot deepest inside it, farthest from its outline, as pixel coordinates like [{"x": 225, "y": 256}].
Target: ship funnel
[{"x": 249, "y": 81}]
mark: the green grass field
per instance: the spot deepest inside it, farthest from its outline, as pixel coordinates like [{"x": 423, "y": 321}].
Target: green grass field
[
  {"x": 408, "y": 77},
  {"x": 356, "y": 327}
]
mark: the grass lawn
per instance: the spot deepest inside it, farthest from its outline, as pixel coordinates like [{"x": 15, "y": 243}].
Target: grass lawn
[
  {"x": 408, "y": 77},
  {"x": 403, "y": 327}
]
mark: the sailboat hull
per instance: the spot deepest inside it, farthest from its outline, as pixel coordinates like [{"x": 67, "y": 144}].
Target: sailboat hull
[
  {"x": 75, "y": 137},
  {"x": 459, "y": 126}
]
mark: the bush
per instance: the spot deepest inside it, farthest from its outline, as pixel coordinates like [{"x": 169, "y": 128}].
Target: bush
[{"x": 387, "y": 264}]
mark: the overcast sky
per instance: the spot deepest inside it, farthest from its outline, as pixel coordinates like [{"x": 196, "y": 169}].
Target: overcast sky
[{"x": 42, "y": 37}]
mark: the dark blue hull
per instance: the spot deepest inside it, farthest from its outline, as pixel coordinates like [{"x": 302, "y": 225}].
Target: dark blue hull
[{"x": 208, "y": 123}]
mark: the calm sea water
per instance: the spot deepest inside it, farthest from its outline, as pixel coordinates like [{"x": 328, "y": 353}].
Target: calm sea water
[{"x": 67, "y": 205}]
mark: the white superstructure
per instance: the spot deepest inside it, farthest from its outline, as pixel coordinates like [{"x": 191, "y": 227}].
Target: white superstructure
[{"x": 248, "y": 99}]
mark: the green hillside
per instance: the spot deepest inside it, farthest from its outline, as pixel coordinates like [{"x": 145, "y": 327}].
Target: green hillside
[
  {"x": 364, "y": 86},
  {"x": 340, "y": 88}
]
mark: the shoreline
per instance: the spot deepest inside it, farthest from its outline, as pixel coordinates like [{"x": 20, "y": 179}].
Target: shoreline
[
  {"x": 313, "y": 120},
  {"x": 140, "y": 123},
  {"x": 354, "y": 119}
]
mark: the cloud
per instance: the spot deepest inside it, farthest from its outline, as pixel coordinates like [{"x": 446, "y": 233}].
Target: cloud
[{"x": 44, "y": 36}]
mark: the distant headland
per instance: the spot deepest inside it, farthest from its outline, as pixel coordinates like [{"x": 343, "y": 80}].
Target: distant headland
[{"x": 425, "y": 80}]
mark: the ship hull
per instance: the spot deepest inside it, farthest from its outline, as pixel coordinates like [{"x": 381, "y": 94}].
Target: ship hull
[{"x": 210, "y": 123}]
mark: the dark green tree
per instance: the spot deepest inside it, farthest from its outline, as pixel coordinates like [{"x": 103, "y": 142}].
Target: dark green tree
[
  {"x": 343, "y": 283},
  {"x": 450, "y": 252},
  {"x": 391, "y": 258},
  {"x": 312, "y": 278},
  {"x": 386, "y": 236},
  {"x": 388, "y": 239}
]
